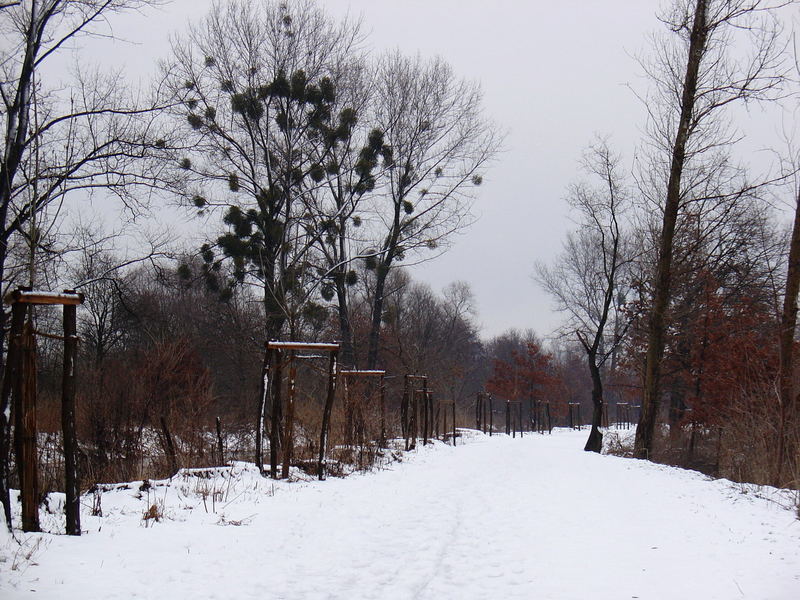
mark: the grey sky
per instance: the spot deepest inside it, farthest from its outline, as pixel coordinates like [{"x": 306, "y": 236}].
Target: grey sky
[{"x": 553, "y": 75}]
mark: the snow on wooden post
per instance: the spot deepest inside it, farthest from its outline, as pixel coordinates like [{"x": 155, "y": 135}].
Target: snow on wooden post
[{"x": 20, "y": 379}]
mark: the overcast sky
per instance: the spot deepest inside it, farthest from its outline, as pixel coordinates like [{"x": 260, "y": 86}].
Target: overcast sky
[{"x": 553, "y": 75}]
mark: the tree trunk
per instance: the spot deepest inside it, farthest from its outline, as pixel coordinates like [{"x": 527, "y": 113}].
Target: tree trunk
[
  {"x": 345, "y": 329},
  {"x": 169, "y": 446},
  {"x": 377, "y": 314},
  {"x": 274, "y": 324},
  {"x": 595, "y": 441},
  {"x": 661, "y": 293},
  {"x": 10, "y": 372},
  {"x": 788, "y": 324}
]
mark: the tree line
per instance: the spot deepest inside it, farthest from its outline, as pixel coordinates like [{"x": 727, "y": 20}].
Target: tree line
[{"x": 680, "y": 282}]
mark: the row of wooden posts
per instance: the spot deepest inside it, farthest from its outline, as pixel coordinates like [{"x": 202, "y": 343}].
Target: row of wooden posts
[
  {"x": 539, "y": 418},
  {"x": 421, "y": 414},
  {"x": 538, "y": 415}
]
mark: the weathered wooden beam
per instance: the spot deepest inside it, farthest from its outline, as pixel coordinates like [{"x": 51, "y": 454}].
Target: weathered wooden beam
[
  {"x": 371, "y": 373},
  {"x": 325, "y": 346},
  {"x": 65, "y": 298}
]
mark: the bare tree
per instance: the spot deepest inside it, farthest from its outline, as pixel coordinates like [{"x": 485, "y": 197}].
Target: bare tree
[
  {"x": 258, "y": 88},
  {"x": 440, "y": 142},
  {"x": 588, "y": 280},
  {"x": 698, "y": 76}
]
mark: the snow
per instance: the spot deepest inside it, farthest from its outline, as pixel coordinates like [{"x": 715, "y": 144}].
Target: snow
[{"x": 493, "y": 518}]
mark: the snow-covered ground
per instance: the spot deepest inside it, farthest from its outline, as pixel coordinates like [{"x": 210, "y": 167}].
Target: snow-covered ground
[{"x": 535, "y": 518}]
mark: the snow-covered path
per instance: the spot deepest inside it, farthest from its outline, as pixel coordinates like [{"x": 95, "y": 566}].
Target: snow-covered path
[{"x": 495, "y": 518}]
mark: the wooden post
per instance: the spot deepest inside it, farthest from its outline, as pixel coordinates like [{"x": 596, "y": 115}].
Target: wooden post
[
  {"x": 444, "y": 424},
  {"x": 424, "y": 407},
  {"x": 169, "y": 446},
  {"x": 491, "y": 415},
  {"x": 220, "y": 446},
  {"x": 411, "y": 441},
  {"x": 326, "y": 415},
  {"x": 275, "y": 413},
  {"x": 263, "y": 398},
  {"x": 27, "y": 460},
  {"x": 348, "y": 413},
  {"x": 383, "y": 412},
  {"x": 426, "y": 421},
  {"x": 404, "y": 409},
  {"x": 454, "y": 423},
  {"x": 288, "y": 432},
  {"x": 437, "y": 431},
  {"x": 19, "y": 381},
  {"x": 549, "y": 421}
]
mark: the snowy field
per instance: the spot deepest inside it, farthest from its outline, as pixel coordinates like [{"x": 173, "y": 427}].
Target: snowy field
[{"x": 535, "y": 518}]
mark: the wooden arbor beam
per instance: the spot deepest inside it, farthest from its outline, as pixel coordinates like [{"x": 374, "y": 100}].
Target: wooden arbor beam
[
  {"x": 272, "y": 374},
  {"x": 368, "y": 374},
  {"x": 26, "y": 296},
  {"x": 19, "y": 379}
]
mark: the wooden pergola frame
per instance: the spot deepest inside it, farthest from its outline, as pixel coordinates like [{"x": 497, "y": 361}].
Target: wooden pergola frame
[
  {"x": 409, "y": 422},
  {"x": 19, "y": 382},
  {"x": 369, "y": 374},
  {"x": 484, "y": 411},
  {"x": 514, "y": 417},
  {"x": 273, "y": 367}
]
